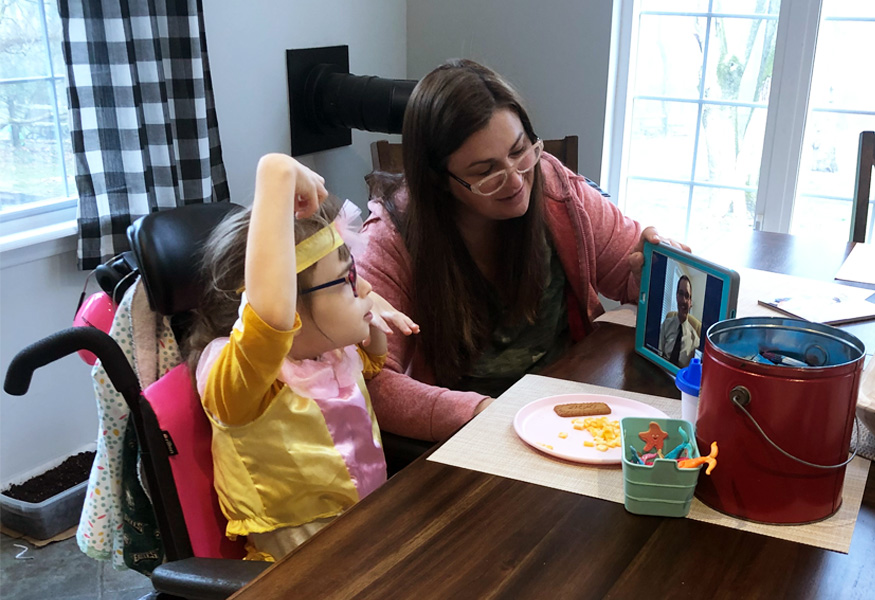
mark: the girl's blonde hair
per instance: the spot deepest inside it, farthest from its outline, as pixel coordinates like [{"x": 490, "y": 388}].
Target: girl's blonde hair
[{"x": 223, "y": 265}]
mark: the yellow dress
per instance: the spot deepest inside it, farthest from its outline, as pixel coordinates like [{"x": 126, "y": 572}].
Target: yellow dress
[{"x": 293, "y": 441}]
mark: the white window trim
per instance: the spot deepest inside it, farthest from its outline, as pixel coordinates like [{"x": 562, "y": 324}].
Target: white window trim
[
  {"x": 38, "y": 230},
  {"x": 617, "y": 119},
  {"x": 43, "y": 242},
  {"x": 622, "y": 24},
  {"x": 795, "y": 44}
]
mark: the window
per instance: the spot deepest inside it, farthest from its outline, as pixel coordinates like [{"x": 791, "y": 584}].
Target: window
[
  {"x": 841, "y": 105},
  {"x": 37, "y": 189},
  {"x": 718, "y": 133}
]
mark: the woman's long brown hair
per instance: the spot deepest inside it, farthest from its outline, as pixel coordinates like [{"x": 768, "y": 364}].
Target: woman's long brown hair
[{"x": 449, "y": 296}]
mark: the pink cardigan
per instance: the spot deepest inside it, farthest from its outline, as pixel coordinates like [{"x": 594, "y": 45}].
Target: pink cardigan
[{"x": 592, "y": 239}]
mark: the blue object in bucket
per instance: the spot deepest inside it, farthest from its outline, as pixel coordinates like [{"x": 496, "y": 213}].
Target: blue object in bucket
[{"x": 689, "y": 378}]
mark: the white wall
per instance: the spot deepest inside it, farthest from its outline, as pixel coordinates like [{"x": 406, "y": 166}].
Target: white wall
[
  {"x": 247, "y": 46},
  {"x": 58, "y": 416},
  {"x": 555, "y": 52}
]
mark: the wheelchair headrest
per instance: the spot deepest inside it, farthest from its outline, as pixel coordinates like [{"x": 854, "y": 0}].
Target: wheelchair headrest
[{"x": 168, "y": 246}]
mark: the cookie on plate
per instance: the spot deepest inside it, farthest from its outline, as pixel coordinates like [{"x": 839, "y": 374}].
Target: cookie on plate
[{"x": 582, "y": 409}]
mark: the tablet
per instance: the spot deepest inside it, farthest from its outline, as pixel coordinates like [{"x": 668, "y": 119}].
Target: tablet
[{"x": 681, "y": 296}]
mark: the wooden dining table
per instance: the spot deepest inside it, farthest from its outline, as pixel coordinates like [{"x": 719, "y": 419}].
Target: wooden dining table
[{"x": 438, "y": 531}]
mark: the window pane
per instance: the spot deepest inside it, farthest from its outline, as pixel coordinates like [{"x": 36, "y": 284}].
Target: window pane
[
  {"x": 669, "y": 56},
  {"x": 23, "y": 51},
  {"x": 662, "y": 140},
  {"x": 66, "y": 139},
  {"x": 719, "y": 6},
  {"x": 848, "y": 8},
  {"x": 715, "y": 74},
  {"x": 749, "y": 7},
  {"x": 731, "y": 145},
  {"x": 56, "y": 37},
  {"x": 29, "y": 155},
  {"x": 663, "y": 205},
  {"x": 740, "y": 57},
  {"x": 840, "y": 107},
  {"x": 675, "y": 5},
  {"x": 829, "y": 154},
  {"x": 838, "y": 80},
  {"x": 719, "y": 211},
  {"x": 822, "y": 218},
  {"x": 35, "y": 163}
]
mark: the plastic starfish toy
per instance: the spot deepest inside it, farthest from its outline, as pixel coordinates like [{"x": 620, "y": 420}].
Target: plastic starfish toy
[{"x": 654, "y": 437}]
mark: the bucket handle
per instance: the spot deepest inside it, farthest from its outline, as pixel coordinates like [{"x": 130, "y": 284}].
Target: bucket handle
[{"x": 740, "y": 396}]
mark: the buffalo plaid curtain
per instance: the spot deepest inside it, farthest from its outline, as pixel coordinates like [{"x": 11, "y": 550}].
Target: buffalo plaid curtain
[{"x": 144, "y": 128}]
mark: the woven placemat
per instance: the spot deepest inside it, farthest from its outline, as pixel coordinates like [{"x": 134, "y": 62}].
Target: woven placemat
[
  {"x": 490, "y": 445},
  {"x": 865, "y": 443}
]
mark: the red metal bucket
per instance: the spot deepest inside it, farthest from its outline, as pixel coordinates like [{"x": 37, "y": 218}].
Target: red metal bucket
[{"x": 783, "y": 432}]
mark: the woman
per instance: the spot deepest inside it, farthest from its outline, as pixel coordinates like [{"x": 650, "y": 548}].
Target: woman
[{"x": 493, "y": 247}]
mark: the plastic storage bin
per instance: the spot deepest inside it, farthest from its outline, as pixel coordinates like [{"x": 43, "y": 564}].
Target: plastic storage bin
[
  {"x": 661, "y": 489},
  {"x": 45, "y": 519}
]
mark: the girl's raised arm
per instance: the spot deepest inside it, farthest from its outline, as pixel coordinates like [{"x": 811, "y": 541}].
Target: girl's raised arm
[{"x": 284, "y": 189}]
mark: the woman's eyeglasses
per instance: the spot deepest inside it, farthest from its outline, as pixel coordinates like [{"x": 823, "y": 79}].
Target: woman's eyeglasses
[
  {"x": 495, "y": 181},
  {"x": 350, "y": 278}
]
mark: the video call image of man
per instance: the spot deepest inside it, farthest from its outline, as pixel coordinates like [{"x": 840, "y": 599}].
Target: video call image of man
[{"x": 679, "y": 334}]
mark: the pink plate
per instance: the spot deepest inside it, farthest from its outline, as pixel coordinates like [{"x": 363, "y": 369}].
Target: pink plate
[{"x": 539, "y": 425}]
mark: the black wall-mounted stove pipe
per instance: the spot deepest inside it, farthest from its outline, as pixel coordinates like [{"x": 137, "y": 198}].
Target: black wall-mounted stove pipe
[
  {"x": 360, "y": 102},
  {"x": 326, "y": 102}
]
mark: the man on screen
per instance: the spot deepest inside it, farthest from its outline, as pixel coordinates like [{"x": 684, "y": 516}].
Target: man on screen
[{"x": 678, "y": 338}]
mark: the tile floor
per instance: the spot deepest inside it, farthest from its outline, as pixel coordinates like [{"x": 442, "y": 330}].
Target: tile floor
[{"x": 60, "y": 571}]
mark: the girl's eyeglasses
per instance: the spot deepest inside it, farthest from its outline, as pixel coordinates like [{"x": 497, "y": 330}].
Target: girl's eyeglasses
[
  {"x": 495, "y": 181},
  {"x": 350, "y": 278}
]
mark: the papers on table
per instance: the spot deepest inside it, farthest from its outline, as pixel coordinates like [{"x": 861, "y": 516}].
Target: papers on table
[
  {"x": 832, "y": 309},
  {"x": 859, "y": 265},
  {"x": 757, "y": 285}
]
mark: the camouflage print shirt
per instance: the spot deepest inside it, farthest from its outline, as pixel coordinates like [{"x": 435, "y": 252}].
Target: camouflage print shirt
[{"x": 515, "y": 349}]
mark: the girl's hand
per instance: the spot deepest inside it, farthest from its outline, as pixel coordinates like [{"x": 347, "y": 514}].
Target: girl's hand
[
  {"x": 636, "y": 257},
  {"x": 385, "y": 318},
  {"x": 385, "y": 313},
  {"x": 309, "y": 191}
]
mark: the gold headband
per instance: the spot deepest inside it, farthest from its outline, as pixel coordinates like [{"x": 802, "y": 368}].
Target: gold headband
[{"x": 317, "y": 246}]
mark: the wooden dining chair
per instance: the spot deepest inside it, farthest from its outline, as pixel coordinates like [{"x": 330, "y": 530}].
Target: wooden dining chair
[
  {"x": 386, "y": 156},
  {"x": 862, "y": 186}
]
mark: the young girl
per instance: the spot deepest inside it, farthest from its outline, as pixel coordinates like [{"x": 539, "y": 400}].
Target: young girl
[{"x": 295, "y": 441}]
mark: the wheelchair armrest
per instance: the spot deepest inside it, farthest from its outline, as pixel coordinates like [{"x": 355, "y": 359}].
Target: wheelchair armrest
[{"x": 205, "y": 578}]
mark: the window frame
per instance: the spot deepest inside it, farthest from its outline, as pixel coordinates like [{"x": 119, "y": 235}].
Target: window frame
[
  {"x": 49, "y": 219},
  {"x": 795, "y": 44}
]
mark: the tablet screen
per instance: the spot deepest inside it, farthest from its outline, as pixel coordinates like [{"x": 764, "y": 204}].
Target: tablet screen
[{"x": 683, "y": 302}]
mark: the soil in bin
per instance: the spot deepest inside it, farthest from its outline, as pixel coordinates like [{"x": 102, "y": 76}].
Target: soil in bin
[{"x": 72, "y": 471}]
